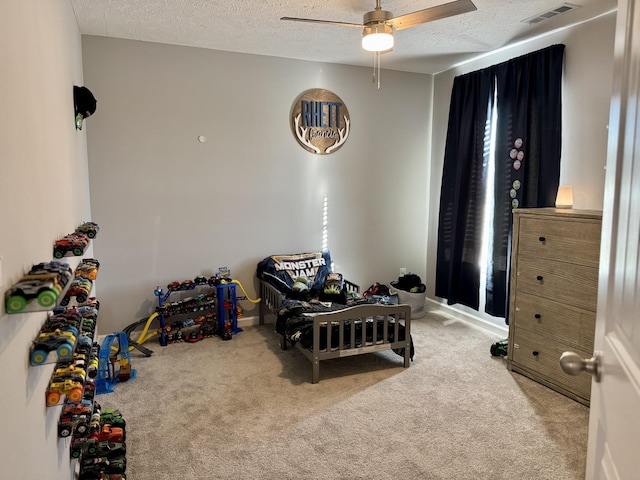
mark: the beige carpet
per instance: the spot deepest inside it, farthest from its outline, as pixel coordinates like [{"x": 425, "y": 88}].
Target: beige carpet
[{"x": 244, "y": 409}]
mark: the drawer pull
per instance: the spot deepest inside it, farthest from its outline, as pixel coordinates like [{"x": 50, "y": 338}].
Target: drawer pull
[
  {"x": 542, "y": 239},
  {"x": 537, "y": 316},
  {"x": 539, "y": 278},
  {"x": 535, "y": 353}
]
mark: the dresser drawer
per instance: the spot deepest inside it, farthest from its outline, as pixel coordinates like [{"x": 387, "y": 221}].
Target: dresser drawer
[
  {"x": 564, "y": 240},
  {"x": 572, "y": 326},
  {"x": 567, "y": 283},
  {"x": 541, "y": 357}
]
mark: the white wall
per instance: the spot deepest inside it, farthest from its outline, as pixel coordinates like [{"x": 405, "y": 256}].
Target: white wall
[
  {"x": 170, "y": 207},
  {"x": 44, "y": 194},
  {"x": 586, "y": 96}
]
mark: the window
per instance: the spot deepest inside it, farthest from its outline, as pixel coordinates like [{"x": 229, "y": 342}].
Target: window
[{"x": 511, "y": 113}]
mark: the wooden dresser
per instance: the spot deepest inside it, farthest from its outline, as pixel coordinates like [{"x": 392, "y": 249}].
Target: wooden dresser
[{"x": 553, "y": 293}]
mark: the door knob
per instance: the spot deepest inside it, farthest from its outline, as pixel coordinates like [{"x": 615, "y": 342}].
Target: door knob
[{"x": 574, "y": 364}]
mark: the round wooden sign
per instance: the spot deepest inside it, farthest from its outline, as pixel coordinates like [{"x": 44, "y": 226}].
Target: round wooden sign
[{"x": 320, "y": 121}]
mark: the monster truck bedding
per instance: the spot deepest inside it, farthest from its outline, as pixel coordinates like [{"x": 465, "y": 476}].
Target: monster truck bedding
[{"x": 308, "y": 286}]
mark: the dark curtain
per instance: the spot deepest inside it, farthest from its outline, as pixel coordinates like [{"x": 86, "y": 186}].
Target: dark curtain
[
  {"x": 527, "y": 170},
  {"x": 463, "y": 191},
  {"x": 529, "y": 140}
]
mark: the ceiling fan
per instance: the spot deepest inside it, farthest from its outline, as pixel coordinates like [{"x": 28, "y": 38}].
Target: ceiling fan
[
  {"x": 378, "y": 25},
  {"x": 382, "y": 22}
]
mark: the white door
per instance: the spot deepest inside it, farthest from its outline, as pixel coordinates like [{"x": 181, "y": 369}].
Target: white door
[{"x": 614, "y": 426}]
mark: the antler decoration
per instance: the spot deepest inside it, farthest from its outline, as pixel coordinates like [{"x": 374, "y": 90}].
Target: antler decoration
[
  {"x": 343, "y": 136},
  {"x": 302, "y": 135}
]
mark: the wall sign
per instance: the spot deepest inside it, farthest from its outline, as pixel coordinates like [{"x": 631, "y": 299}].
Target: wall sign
[{"x": 320, "y": 121}]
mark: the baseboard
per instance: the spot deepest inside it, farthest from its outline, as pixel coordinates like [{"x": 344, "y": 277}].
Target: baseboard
[
  {"x": 449, "y": 311},
  {"x": 249, "y": 321},
  {"x": 445, "y": 310}
]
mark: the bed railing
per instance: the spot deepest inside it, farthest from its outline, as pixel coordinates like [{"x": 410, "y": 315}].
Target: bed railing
[
  {"x": 271, "y": 300},
  {"x": 387, "y": 317}
]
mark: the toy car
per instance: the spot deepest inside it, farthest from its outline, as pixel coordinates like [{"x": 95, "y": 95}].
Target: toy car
[
  {"x": 87, "y": 271},
  {"x": 102, "y": 468},
  {"x": 89, "y": 389},
  {"x": 66, "y": 319},
  {"x": 69, "y": 424},
  {"x": 73, "y": 373},
  {"x": 84, "y": 344},
  {"x": 83, "y": 407},
  {"x": 108, "y": 433},
  {"x": 106, "y": 449},
  {"x": 80, "y": 289},
  {"x": 92, "y": 367},
  {"x": 41, "y": 349},
  {"x": 61, "y": 269},
  {"x": 93, "y": 468},
  {"x": 78, "y": 446},
  {"x": 60, "y": 341},
  {"x": 59, "y": 386},
  {"x": 44, "y": 287},
  {"x": 90, "y": 229},
  {"x": 75, "y": 243}
]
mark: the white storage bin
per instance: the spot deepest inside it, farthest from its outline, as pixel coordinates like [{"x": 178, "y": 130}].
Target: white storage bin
[{"x": 415, "y": 300}]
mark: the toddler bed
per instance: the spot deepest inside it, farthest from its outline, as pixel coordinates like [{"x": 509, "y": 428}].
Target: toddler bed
[{"x": 322, "y": 329}]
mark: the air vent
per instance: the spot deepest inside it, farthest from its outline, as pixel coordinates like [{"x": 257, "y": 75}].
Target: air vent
[{"x": 541, "y": 17}]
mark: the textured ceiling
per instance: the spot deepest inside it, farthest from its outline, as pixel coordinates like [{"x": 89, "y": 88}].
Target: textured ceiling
[{"x": 252, "y": 26}]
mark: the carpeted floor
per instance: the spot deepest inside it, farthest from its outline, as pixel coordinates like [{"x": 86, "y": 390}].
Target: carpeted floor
[{"x": 244, "y": 409}]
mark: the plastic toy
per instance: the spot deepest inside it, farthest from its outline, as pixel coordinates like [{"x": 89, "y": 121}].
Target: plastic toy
[
  {"x": 92, "y": 367},
  {"x": 106, "y": 449},
  {"x": 211, "y": 304},
  {"x": 87, "y": 269},
  {"x": 83, "y": 407},
  {"x": 69, "y": 424},
  {"x": 61, "y": 271},
  {"x": 499, "y": 348},
  {"x": 90, "y": 229},
  {"x": 60, "y": 341},
  {"x": 113, "y": 417},
  {"x": 74, "y": 244},
  {"x": 84, "y": 344},
  {"x": 92, "y": 468},
  {"x": 43, "y": 287},
  {"x": 71, "y": 372},
  {"x": 201, "y": 280},
  {"x": 108, "y": 377},
  {"x": 80, "y": 288},
  {"x": 60, "y": 386},
  {"x": 65, "y": 319},
  {"x": 78, "y": 446},
  {"x": 109, "y": 433}
]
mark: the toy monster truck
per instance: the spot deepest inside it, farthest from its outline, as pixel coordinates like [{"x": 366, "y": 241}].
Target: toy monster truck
[
  {"x": 60, "y": 386},
  {"x": 45, "y": 288}
]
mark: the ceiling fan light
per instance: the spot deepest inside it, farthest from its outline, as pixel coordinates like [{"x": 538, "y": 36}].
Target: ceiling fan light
[{"x": 377, "y": 38}]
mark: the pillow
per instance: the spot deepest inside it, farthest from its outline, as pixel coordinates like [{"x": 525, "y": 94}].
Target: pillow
[{"x": 281, "y": 271}]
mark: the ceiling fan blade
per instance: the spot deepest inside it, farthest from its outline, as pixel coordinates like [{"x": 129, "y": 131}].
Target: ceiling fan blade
[
  {"x": 325, "y": 22},
  {"x": 433, "y": 13}
]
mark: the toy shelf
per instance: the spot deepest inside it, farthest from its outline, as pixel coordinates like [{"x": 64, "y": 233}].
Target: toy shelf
[
  {"x": 79, "y": 322},
  {"x": 196, "y": 305}
]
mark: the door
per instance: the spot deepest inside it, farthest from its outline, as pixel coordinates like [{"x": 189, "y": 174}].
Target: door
[{"x": 614, "y": 425}]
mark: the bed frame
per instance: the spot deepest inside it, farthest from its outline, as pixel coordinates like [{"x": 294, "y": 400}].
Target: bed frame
[{"x": 393, "y": 316}]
